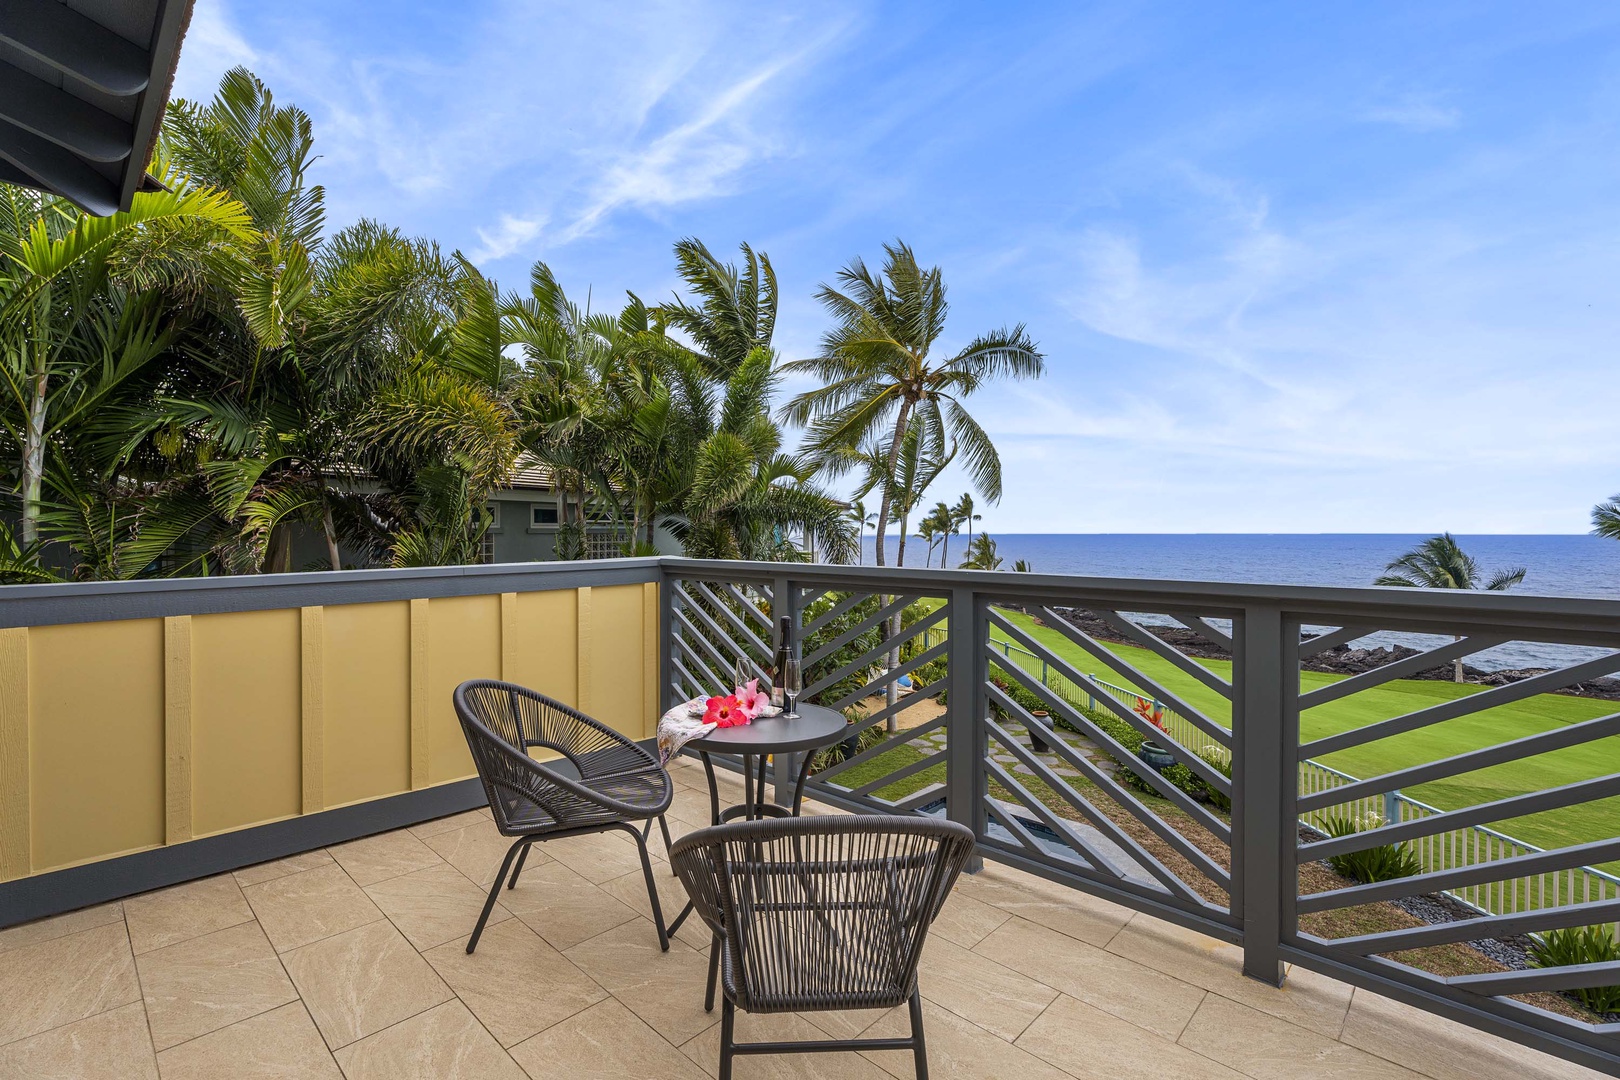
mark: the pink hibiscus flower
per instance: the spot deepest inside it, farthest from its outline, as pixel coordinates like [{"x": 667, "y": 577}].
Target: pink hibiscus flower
[
  {"x": 724, "y": 712},
  {"x": 751, "y": 699}
]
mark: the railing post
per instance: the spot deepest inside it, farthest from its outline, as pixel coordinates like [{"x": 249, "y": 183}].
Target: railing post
[
  {"x": 666, "y": 643},
  {"x": 1392, "y": 807},
  {"x": 1264, "y": 830},
  {"x": 966, "y": 707},
  {"x": 785, "y": 602}
]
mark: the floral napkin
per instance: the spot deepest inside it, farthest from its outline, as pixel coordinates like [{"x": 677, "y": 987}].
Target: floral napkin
[{"x": 696, "y": 718}]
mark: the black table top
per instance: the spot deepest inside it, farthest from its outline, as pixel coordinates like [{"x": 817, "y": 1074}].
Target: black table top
[{"x": 815, "y": 726}]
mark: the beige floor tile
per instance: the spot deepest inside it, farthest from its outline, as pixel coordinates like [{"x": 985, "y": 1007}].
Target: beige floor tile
[
  {"x": 664, "y": 989},
  {"x": 1128, "y": 990},
  {"x": 362, "y": 981},
  {"x": 433, "y": 906},
  {"x": 1444, "y": 1049},
  {"x": 705, "y": 1051},
  {"x": 300, "y": 908},
  {"x": 1057, "y": 907},
  {"x": 1091, "y": 1043},
  {"x": 185, "y": 911},
  {"x": 112, "y": 1045},
  {"x": 65, "y": 979},
  {"x": 278, "y": 1045},
  {"x": 446, "y": 1043},
  {"x": 1266, "y": 1048},
  {"x": 292, "y": 864},
  {"x": 596, "y": 858},
  {"x": 60, "y": 926},
  {"x": 211, "y": 982},
  {"x": 957, "y": 1050},
  {"x": 973, "y": 986},
  {"x": 631, "y": 890},
  {"x": 846, "y": 1023},
  {"x": 966, "y": 920},
  {"x": 477, "y": 850},
  {"x": 563, "y": 907},
  {"x": 515, "y": 983},
  {"x": 452, "y": 822},
  {"x": 386, "y": 855},
  {"x": 605, "y": 1042},
  {"x": 1310, "y": 1000}
]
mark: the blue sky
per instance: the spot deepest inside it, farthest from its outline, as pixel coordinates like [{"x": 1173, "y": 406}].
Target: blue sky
[{"x": 1295, "y": 267}]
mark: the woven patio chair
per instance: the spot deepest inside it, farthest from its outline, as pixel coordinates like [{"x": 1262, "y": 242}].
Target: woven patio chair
[
  {"x": 820, "y": 913},
  {"x": 602, "y": 781}
]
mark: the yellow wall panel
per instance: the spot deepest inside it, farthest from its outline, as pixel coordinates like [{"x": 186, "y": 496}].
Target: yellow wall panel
[
  {"x": 464, "y": 642},
  {"x": 368, "y": 701},
  {"x": 616, "y": 671},
  {"x": 95, "y": 739},
  {"x": 543, "y": 652},
  {"x": 247, "y": 746}
]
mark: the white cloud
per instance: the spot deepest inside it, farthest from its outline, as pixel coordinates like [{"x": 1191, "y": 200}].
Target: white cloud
[
  {"x": 512, "y": 234},
  {"x": 212, "y": 47},
  {"x": 1414, "y": 112}
]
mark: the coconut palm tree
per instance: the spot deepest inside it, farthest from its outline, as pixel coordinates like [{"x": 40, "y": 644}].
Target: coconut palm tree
[
  {"x": 736, "y": 310},
  {"x": 928, "y": 533},
  {"x": 878, "y": 380},
  {"x": 946, "y": 523},
  {"x": 963, "y": 512},
  {"x": 1440, "y": 563},
  {"x": 1606, "y": 518},
  {"x": 982, "y": 554}
]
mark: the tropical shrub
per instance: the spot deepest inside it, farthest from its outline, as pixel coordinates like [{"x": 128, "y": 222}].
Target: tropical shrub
[
  {"x": 1580, "y": 945},
  {"x": 1221, "y": 761},
  {"x": 1385, "y": 862}
]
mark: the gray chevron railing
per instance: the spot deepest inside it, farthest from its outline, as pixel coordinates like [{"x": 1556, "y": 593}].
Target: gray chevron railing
[{"x": 1219, "y": 840}]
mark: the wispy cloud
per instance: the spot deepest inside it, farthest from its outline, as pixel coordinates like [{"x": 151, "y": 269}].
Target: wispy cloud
[
  {"x": 1416, "y": 112},
  {"x": 511, "y": 234}
]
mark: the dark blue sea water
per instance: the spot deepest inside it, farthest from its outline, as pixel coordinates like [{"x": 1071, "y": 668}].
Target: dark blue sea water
[{"x": 1578, "y": 565}]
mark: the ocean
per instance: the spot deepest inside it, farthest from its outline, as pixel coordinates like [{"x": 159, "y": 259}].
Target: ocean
[{"x": 1580, "y": 565}]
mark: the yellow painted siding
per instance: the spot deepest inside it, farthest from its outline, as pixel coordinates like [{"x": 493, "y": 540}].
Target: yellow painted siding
[
  {"x": 126, "y": 735},
  {"x": 542, "y": 654},
  {"x": 368, "y": 701},
  {"x": 95, "y": 740},
  {"x": 616, "y": 674},
  {"x": 246, "y": 726},
  {"x": 464, "y": 642}
]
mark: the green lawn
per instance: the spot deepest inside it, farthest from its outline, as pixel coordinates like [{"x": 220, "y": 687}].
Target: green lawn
[{"x": 1590, "y": 821}]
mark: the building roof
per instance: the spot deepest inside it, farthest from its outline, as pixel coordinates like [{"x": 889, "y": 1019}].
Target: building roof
[{"x": 83, "y": 86}]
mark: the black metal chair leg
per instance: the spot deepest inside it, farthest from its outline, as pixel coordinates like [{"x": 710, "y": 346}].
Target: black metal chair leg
[
  {"x": 518, "y": 869},
  {"x": 652, "y": 890},
  {"x": 668, "y": 843},
  {"x": 918, "y": 1050},
  {"x": 495, "y": 890},
  {"x": 714, "y": 973},
  {"x": 728, "y": 1021}
]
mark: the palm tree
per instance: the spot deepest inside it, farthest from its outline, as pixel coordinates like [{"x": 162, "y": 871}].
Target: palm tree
[
  {"x": 1439, "y": 563},
  {"x": 947, "y": 523},
  {"x": 736, "y": 313},
  {"x": 963, "y": 512},
  {"x": 70, "y": 334},
  {"x": 862, "y": 519},
  {"x": 1606, "y": 518},
  {"x": 878, "y": 381},
  {"x": 928, "y": 532},
  {"x": 982, "y": 554}
]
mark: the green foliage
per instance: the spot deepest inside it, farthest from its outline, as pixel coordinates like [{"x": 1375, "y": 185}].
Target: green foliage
[
  {"x": 1580, "y": 945},
  {"x": 1384, "y": 862},
  {"x": 982, "y": 554},
  {"x": 1221, "y": 761},
  {"x": 1440, "y": 563}
]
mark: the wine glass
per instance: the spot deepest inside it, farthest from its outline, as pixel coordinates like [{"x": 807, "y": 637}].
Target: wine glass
[
  {"x": 792, "y": 685},
  {"x": 740, "y": 673}
]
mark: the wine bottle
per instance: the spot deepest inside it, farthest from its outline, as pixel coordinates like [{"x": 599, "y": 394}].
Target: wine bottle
[{"x": 779, "y": 663}]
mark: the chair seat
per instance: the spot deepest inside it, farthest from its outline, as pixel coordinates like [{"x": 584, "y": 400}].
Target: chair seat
[{"x": 645, "y": 788}]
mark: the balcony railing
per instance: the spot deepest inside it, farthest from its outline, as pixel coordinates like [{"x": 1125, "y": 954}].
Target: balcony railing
[{"x": 155, "y": 731}]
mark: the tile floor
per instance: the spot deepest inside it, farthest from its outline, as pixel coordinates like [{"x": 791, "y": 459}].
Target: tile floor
[{"x": 349, "y": 963}]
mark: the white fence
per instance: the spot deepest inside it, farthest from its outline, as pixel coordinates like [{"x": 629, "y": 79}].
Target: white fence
[{"x": 1459, "y": 847}]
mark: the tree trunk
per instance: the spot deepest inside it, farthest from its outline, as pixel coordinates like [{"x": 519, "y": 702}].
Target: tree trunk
[
  {"x": 278, "y": 551},
  {"x": 330, "y": 529},
  {"x": 945, "y": 552},
  {"x": 888, "y": 483},
  {"x": 34, "y": 458}
]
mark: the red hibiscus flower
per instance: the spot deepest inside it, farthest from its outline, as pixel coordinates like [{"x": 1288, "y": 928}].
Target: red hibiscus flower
[{"x": 725, "y": 712}]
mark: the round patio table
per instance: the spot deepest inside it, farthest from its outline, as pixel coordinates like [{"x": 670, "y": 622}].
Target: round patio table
[{"x": 814, "y": 727}]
